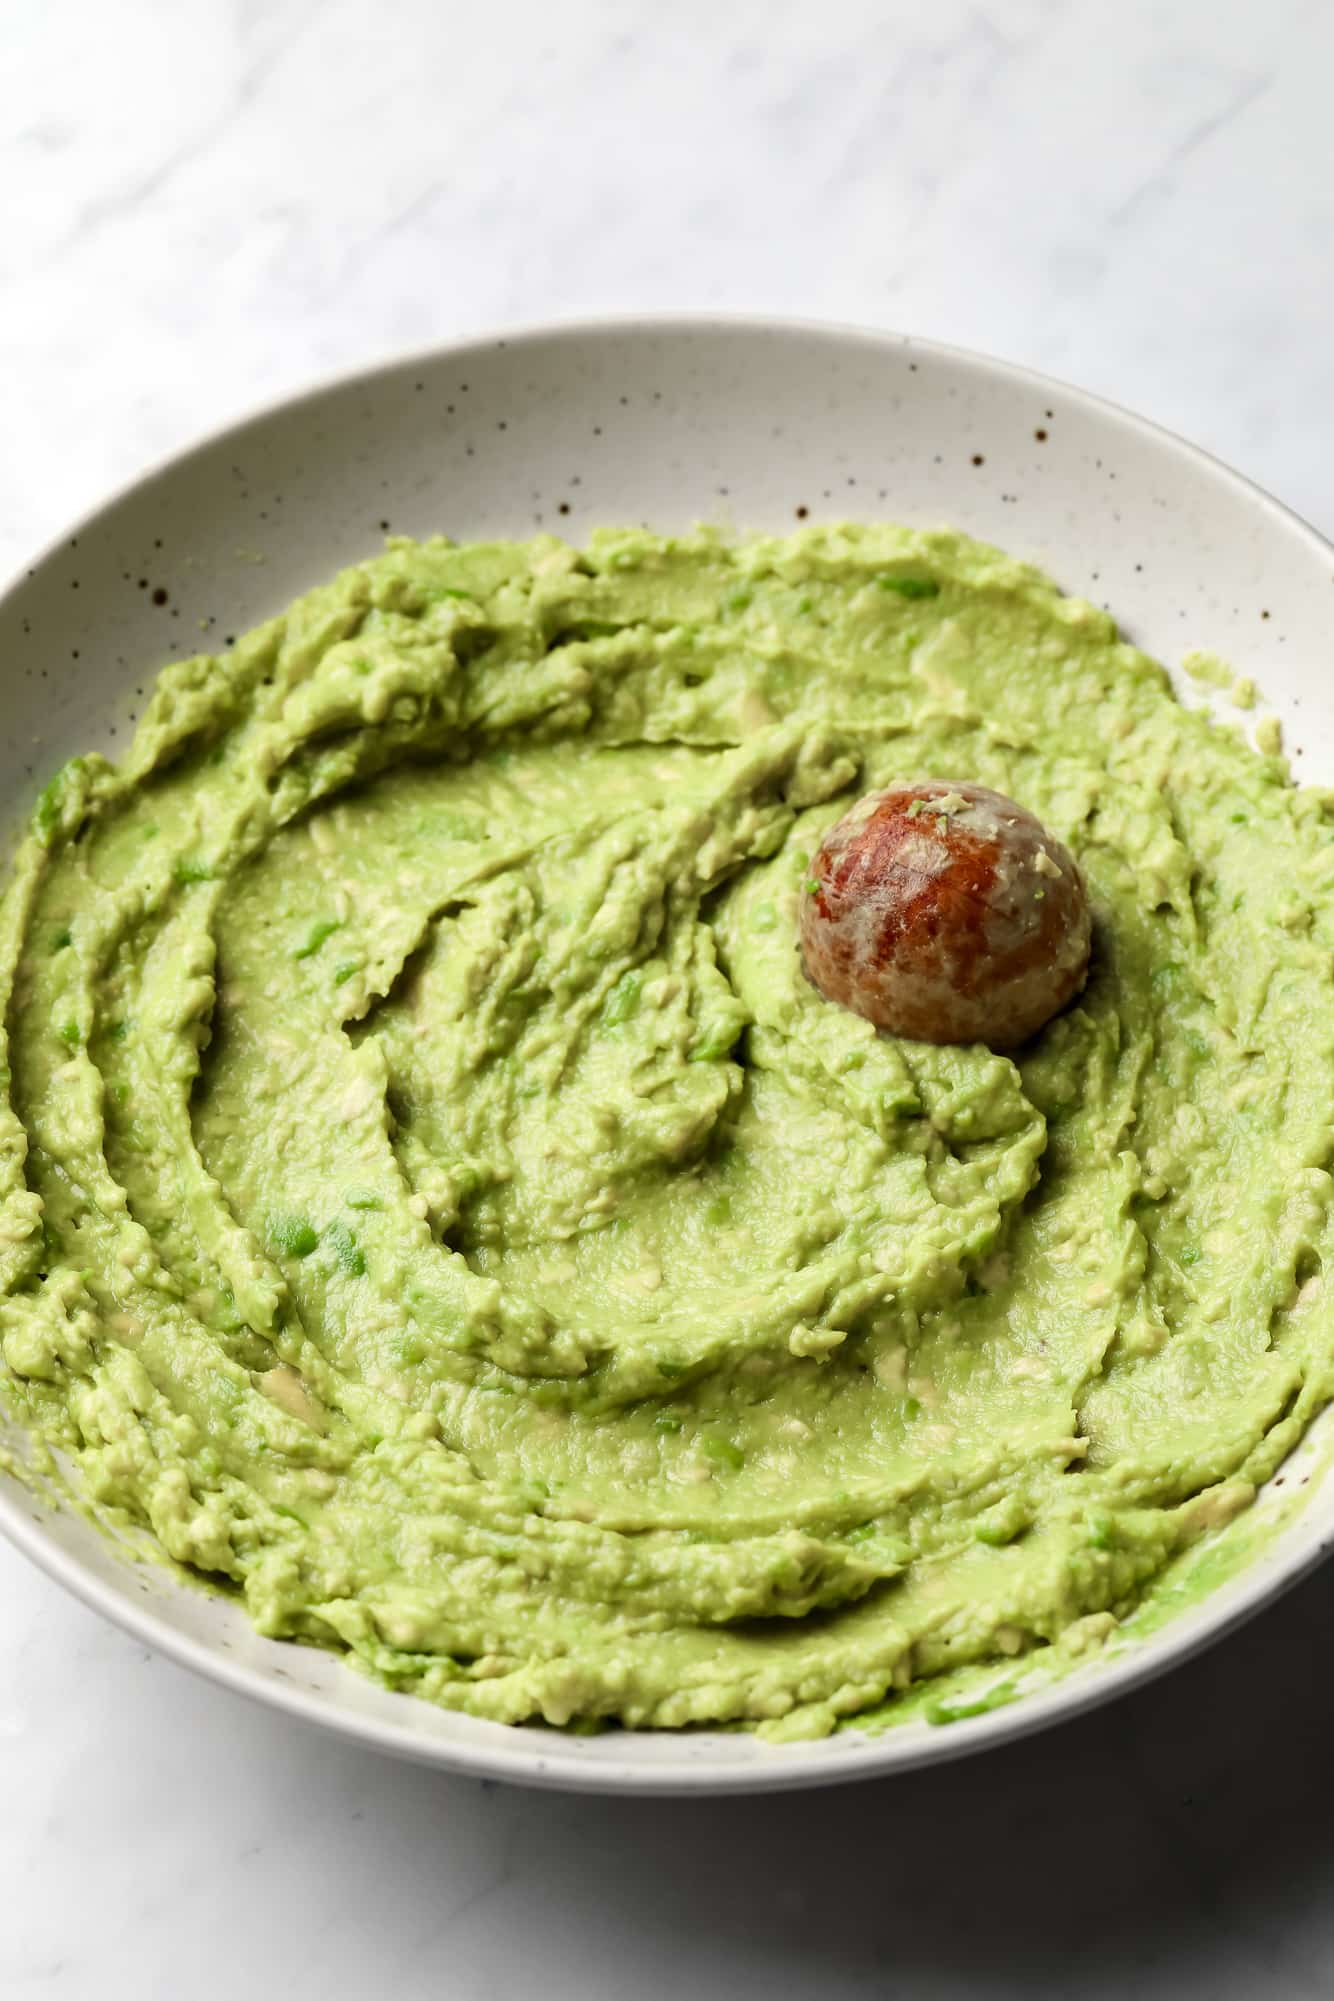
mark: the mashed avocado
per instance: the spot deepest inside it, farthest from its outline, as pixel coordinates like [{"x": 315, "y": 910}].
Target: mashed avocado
[{"x": 435, "y": 1201}]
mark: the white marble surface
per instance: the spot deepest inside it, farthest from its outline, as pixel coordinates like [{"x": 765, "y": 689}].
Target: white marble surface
[{"x": 205, "y": 204}]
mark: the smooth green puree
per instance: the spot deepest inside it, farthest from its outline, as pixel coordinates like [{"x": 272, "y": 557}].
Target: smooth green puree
[{"x": 436, "y": 1202}]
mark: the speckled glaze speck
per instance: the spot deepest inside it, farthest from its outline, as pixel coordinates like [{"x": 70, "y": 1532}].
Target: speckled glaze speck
[{"x": 752, "y": 425}]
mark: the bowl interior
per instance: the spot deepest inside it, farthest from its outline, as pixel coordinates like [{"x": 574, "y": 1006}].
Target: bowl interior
[{"x": 749, "y": 426}]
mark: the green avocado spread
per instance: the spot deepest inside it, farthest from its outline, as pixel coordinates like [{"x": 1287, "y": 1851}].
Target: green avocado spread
[{"x": 436, "y": 1204}]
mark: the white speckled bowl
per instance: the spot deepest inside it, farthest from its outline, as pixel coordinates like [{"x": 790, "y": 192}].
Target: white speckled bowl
[{"x": 664, "y": 422}]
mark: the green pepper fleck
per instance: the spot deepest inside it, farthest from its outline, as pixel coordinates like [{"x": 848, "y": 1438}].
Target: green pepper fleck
[
  {"x": 351, "y": 1257},
  {"x": 322, "y": 928},
  {"x": 294, "y": 1234},
  {"x": 623, "y": 1000},
  {"x": 723, "y": 1453}
]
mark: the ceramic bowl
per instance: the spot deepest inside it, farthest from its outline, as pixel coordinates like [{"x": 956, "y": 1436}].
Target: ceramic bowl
[{"x": 751, "y": 424}]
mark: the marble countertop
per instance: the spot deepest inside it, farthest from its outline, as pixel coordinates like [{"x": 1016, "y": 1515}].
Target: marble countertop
[{"x": 210, "y": 202}]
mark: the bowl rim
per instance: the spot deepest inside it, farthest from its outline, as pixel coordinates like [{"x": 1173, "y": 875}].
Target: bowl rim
[
  {"x": 657, "y": 325},
  {"x": 846, "y": 1756},
  {"x": 842, "y": 1759}
]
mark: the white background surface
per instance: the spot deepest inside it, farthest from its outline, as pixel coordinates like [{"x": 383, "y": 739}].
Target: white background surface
[{"x": 204, "y": 205}]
